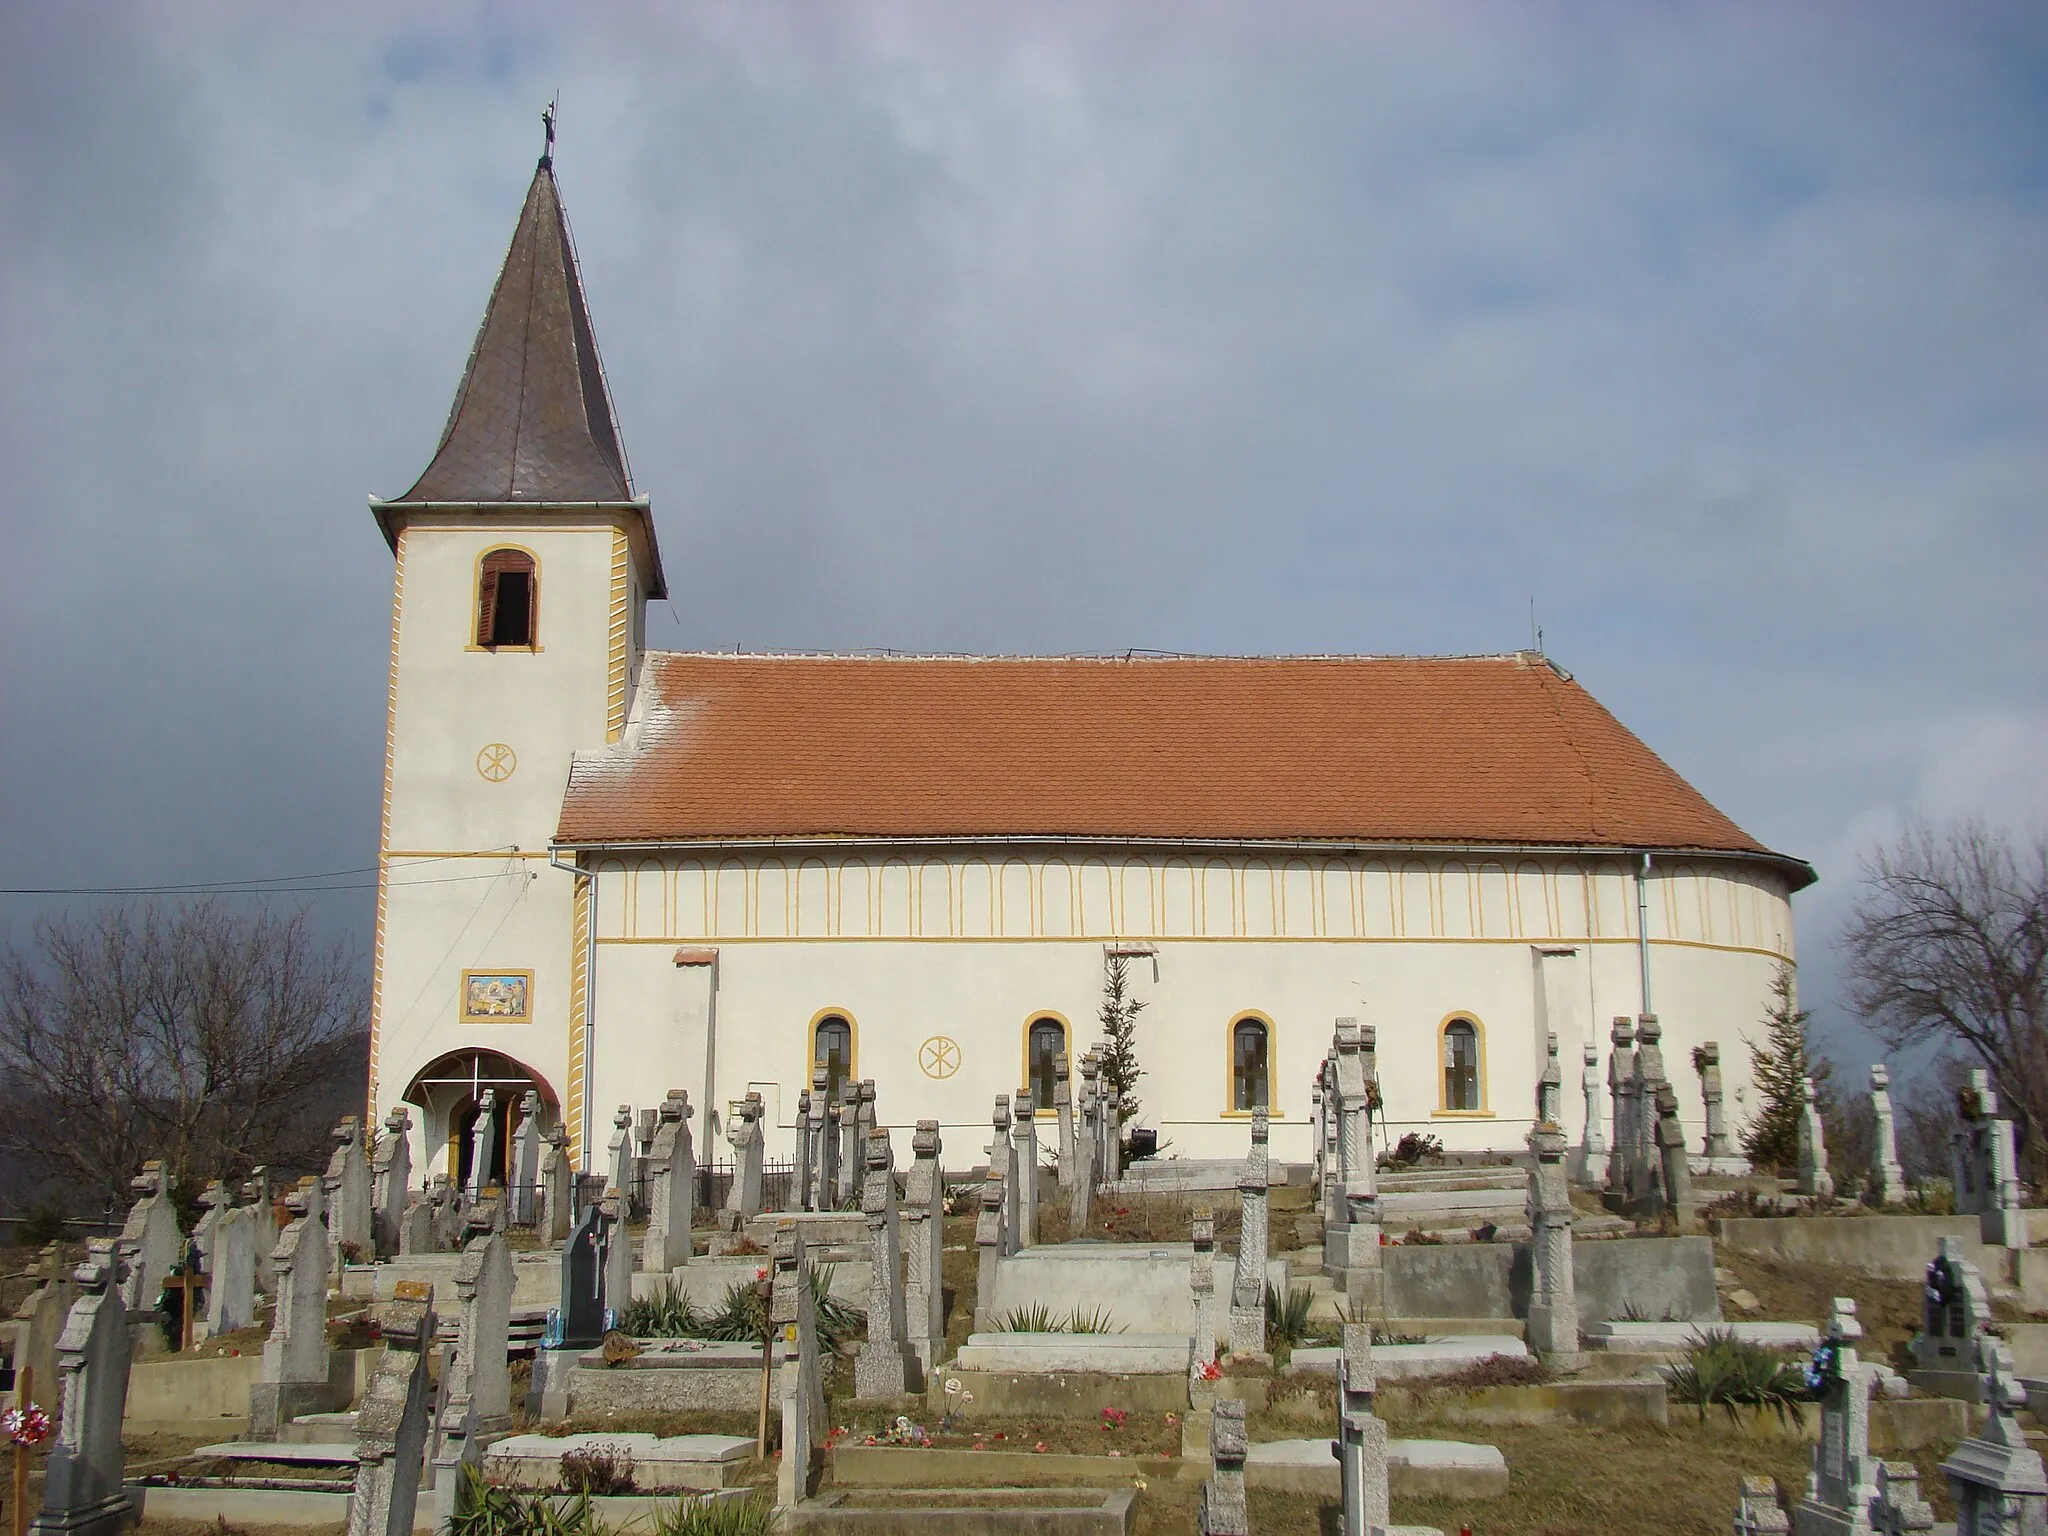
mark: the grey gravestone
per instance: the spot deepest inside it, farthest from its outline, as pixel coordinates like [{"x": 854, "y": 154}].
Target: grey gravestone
[
  {"x": 391, "y": 1180},
  {"x": 391, "y": 1424},
  {"x": 416, "y": 1226},
  {"x": 989, "y": 1247},
  {"x": 885, "y": 1366},
  {"x": 1553, "y": 1323},
  {"x": 617, "y": 1249},
  {"x": 82, "y": 1492},
  {"x": 1758, "y": 1513},
  {"x": 524, "y": 1194},
  {"x": 39, "y": 1321},
  {"x": 263, "y": 1201},
  {"x": 1646, "y": 1168},
  {"x": 347, "y": 1187},
  {"x": 1887, "y": 1178},
  {"x": 1844, "y": 1479},
  {"x": 846, "y": 1186},
  {"x": 824, "y": 1142},
  {"x": 582, "y": 1301},
  {"x": 1621, "y": 1066},
  {"x": 1361, "y": 1437},
  {"x": 1024, "y": 1153},
  {"x": 1550, "y": 1085},
  {"x": 743, "y": 1199},
  {"x": 557, "y": 1179},
  {"x": 1996, "y": 1479},
  {"x": 800, "y": 1195},
  {"x": 293, "y": 1377},
  {"x": 1002, "y": 1152},
  {"x": 1950, "y": 1352},
  {"x": 1202, "y": 1282},
  {"x": 620, "y": 1148},
  {"x": 672, "y": 1184},
  {"x": 231, "y": 1287},
  {"x": 1592, "y": 1162},
  {"x": 476, "y": 1383},
  {"x": 1706, "y": 1060},
  {"x": 483, "y": 1137},
  {"x": 1248, "y": 1287},
  {"x": 1222, "y": 1509},
  {"x": 924, "y": 1209},
  {"x": 151, "y": 1245},
  {"x": 801, "y": 1392},
  {"x": 1063, "y": 1113},
  {"x": 1813, "y": 1148},
  {"x": 1676, "y": 1182}
]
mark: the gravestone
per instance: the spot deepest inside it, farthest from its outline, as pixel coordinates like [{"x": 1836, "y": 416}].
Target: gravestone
[
  {"x": 1323, "y": 1177},
  {"x": 824, "y": 1142},
  {"x": 1351, "y": 1248},
  {"x": 1550, "y": 1085},
  {"x": 39, "y": 1321},
  {"x": 216, "y": 1203},
  {"x": 557, "y": 1181},
  {"x": 801, "y": 1391},
  {"x": 1843, "y": 1479},
  {"x": 620, "y": 1150},
  {"x": 1676, "y": 1182},
  {"x": 483, "y": 1139},
  {"x": 391, "y": 1424},
  {"x": 800, "y": 1194},
  {"x": 1361, "y": 1437},
  {"x": 1706, "y": 1061},
  {"x": 1002, "y": 1153},
  {"x": 743, "y": 1199},
  {"x": 990, "y": 1243},
  {"x": 1646, "y": 1165},
  {"x": 416, "y": 1226},
  {"x": 846, "y": 1187},
  {"x": 1077, "y": 1174},
  {"x": 1951, "y": 1353},
  {"x": 646, "y": 1125},
  {"x": 1553, "y": 1324},
  {"x": 617, "y": 1251},
  {"x": 347, "y": 1187},
  {"x": 924, "y": 1210},
  {"x": 231, "y": 1284},
  {"x": 1899, "y": 1509},
  {"x": 1995, "y": 1478},
  {"x": 82, "y": 1488},
  {"x": 1887, "y": 1178},
  {"x": 672, "y": 1187},
  {"x": 1111, "y": 1158},
  {"x": 1063, "y": 1112},
  {"x": 293, "y": 1377},
  {"x": 1813, "y": 1148},
  {"x": 1248, "y": 1288},
  {"x": 1987, "y": 1173},
  {"x": 1621, "y": 1068},
  {"x": 391, "y": 1181},
  {"x": 1024, "y": 1154},
  {"x": 476, "y": 1383},
  {"x": 1202, "y": 1282},
  {"x": 885, "y": 1366},
  {"x": 447, "y": 1203},
  {"x": 262, "y": 1200},
  {"x": 1592, "y": 1162},
  {"x": 1758, "y": 1512},
  {"x": 151, "y": 1245},
  {"x": 581, "y": 1308},
  {"x": 1223, "y": 1509},
  {"x": 523, "y": 1193}
]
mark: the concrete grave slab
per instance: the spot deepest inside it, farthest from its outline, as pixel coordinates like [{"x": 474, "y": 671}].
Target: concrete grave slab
[
  {"x": 1647, "y": 1338},
  {"x": 1415, "y": 1468},
  {"x": 659, "y": 1462},
  {"x": 1123, "y": 1354},
  {"x": 1399, "y": 1362}
]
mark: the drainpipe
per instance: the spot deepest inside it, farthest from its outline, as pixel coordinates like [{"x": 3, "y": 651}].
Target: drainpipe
[
  {"x": 589, "y": 998},
  {"x": 1643, "y": 929}
]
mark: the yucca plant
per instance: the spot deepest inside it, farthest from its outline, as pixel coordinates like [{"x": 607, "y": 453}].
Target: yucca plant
[
  {"x": 667, "y": 1314},
  {"x": 743, "y": 1316},
  {"x": 482, "y": 1509},
  {"x": 1287, "y": 1321},
  {"x": 1036, "y": 1318},
  {"x": 1720, "y": 1368},
  {"x": 1100, "y": 1320},
  {"x": 748, "y": 1516}
]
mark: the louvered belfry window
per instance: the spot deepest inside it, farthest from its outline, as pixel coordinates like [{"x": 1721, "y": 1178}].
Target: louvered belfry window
[{"x": 506, "y": 610}]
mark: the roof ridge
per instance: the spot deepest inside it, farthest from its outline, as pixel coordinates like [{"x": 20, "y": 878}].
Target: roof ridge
[{"x": 882, "y": 653}]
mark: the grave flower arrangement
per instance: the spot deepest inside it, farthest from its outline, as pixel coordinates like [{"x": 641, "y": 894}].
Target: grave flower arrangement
[
  {"x": 27, "y": 1426},
  {"x": 1113, "y": 1418}
]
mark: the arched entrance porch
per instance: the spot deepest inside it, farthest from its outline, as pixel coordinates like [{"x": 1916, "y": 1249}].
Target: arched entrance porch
[{"x": 449, "y": 1094}]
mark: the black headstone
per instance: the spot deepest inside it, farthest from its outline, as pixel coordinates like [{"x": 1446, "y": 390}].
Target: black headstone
[{"x": 582, "y": 1308}]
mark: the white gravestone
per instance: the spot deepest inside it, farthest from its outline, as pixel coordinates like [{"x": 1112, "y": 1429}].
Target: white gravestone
[
  {"x": 800, "y": 1195},
  {"x": 151, "y": 1244},
  {"x": 1887, "y": 1178},
  {"x": 1996, "y": 1479},
  {"x": 1592, "y": 1167},
  {"x": 1202, "y": 1282},
  {"x": 743, "y": 1199},
  {"x": 524, "y": 1194},
  {"x": 557, "y": 1184},
  {"x": 1002, "y": 1153},
  {"x": 1553, "y": 1324},
  {"x": 476, "y": 1381},
  {"x": 1621, "y": 1067},
  {"x": 1024, "y": 1153},
  {"x": 990, "y": 1244},
  {"x": 1813, "y": 1148},
  {"x": 620, "y": 1151},
  {"x": 1222, "y": 1509},
  {"x": 231, "y": 1287},
  {"x": 483, "y": 1140},
  {"x": 1843, "y": 1479},
  {"x": 1361, "y": 1437},
  {"x": 350, "y": 1217}
]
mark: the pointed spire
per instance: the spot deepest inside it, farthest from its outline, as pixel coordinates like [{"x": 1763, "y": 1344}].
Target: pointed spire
[{"x": 532, "y": 420}]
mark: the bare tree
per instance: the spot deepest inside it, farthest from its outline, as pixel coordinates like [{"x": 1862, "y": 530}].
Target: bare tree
[
  {"x": 210, "y": 1037},
  {"x": 1949, "y": 942}
]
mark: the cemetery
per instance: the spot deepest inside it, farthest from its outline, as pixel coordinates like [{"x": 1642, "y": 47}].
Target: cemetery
[{"x": 1033, "y": 1332}]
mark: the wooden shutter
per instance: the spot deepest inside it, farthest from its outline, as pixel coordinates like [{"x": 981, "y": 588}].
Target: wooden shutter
[
  {"x": 496, "y": 563},
  {"x": 486, "y": 602}
]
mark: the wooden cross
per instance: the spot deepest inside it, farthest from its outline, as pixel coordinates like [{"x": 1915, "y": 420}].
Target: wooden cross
[
  {"x": 24, "y": 1380},
  {"x": 187, "y": 1284}
]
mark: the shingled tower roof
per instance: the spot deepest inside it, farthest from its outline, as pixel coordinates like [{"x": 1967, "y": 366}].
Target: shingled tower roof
[{"x": 532, "y": 421}]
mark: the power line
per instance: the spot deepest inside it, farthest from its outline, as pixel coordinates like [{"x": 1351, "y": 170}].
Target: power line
[{"x": 250, "y": 887}]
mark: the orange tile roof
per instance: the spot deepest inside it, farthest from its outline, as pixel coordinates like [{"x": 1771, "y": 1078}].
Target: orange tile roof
[{"x": 1480, "y": 749}]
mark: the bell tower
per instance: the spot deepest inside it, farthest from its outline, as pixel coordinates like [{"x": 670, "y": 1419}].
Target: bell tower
[{"x": 523, "y": 563}]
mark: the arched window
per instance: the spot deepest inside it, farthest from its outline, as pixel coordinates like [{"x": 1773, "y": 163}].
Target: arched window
[
  {"x": 832, "y": 1049},
  {"x": 1249, "y": 1079},
  {"x": 1461, "y": 1065},
  {"x": 507, "y": 599},
  {"x": 1046, "y": 1044}
]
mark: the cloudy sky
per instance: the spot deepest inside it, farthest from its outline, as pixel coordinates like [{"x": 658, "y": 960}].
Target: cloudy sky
[{"x": 1719, "y": 331}]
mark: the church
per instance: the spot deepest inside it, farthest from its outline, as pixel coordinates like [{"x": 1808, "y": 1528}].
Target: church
[{"x": 606, "y": 872}]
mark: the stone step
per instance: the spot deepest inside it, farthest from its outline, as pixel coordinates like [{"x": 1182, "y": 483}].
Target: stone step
[
  {"x": 1397, "y": 1362},
  {"x": 1415, "y": 1468},
  {"x": 659, "y": 1462},
  {"x": 308, "y": 1455}
]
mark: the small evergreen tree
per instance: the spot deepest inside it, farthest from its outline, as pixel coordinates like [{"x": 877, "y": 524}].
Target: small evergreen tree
[
  {"x": 1780, "y": 1066},
  {"x": 1120, "y": 1012}
]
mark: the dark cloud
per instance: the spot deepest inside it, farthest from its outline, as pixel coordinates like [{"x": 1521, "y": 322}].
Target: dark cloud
[{"x": 1717, "y": 330}]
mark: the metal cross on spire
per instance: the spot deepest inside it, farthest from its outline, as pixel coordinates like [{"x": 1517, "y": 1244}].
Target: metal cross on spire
[{"x": 547, "y": 119}]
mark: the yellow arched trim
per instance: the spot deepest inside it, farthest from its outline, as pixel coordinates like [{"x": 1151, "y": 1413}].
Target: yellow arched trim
[
  {"x": 1024, "y": 1051},
  {"x": 1255, "y": 1016},
  {"x": 811, "y": 1043},
  {"x": 1485, "y": 1109},
  {"x": 476, "y": 579}
]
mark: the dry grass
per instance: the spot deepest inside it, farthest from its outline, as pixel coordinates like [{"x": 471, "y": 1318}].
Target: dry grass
[{"x": 1794, "y": 1291}]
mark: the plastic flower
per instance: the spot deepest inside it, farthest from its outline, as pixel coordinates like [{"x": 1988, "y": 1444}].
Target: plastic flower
[
  {"x": 1039, "y": 1447},
  {"x": 26, "y": 1426}
]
